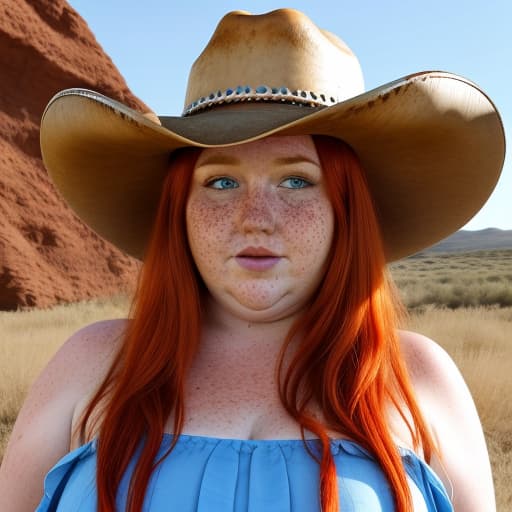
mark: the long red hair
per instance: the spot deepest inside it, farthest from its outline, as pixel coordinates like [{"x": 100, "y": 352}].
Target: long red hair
[{"x": 348, "y": 361}]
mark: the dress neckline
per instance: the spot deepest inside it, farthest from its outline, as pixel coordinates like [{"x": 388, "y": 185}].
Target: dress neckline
[
  {"x": 250, "y": 441},
  {"x": 343, "y": 441}
]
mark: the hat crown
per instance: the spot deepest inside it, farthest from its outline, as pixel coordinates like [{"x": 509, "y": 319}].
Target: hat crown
[{"x": 282, "y": 48}]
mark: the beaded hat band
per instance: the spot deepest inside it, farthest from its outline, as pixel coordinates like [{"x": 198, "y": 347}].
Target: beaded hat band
[{"x": 260, "y": 93}]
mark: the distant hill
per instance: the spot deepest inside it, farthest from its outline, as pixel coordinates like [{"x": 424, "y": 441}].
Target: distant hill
[{"x": 464, "y": 240}]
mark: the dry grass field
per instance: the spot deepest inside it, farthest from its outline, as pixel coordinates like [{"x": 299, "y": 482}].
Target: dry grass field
[
  {"x": 478, "y": 278},
  {"x": 435, "y": 287},
  {"x": 464, "y": 302}
]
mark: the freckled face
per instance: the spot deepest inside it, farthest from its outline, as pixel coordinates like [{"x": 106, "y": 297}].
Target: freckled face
[{"x": 260, "y": 225}]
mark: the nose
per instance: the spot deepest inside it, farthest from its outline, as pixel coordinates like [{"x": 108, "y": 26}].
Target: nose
[{"x": 257, "y": 212}]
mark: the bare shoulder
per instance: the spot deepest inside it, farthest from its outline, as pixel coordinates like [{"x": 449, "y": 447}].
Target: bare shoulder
[
  {"x": 89, "y": 351},
  {"x": 450, "y": 411},
  {"x": 83, "y": 358},
  {"x": 98, "y": 336},
  {"x": 42, "y": 430},
  {"x": 427, "y": 362}
]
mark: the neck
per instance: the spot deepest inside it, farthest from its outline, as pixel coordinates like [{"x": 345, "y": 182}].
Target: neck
[{"x": 225, "y": 333}]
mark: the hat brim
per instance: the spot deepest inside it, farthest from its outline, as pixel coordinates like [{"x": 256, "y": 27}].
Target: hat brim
[{"x": 432, "y": 145}]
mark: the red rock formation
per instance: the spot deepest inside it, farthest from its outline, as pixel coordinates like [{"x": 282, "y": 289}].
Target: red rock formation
[{"x": 47, "y": 255}]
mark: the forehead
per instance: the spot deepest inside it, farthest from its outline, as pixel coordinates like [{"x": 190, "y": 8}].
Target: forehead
[{"x": 266, "y": 149}]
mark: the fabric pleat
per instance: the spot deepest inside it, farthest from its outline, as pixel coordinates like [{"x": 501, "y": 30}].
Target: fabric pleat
[
  {"x": 269, "y": 488},
  {"x": 83, "y": 475},
  {"x": 218, "y": 483},
  {"x": 427, "y": 481}
]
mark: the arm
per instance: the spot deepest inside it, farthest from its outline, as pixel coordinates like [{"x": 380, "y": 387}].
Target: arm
[
  {"x": 449, "y": 408},
  {"x": 41, "y": 434}
]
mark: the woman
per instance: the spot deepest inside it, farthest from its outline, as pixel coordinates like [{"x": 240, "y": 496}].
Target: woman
[{"x": 262, "y": 368}]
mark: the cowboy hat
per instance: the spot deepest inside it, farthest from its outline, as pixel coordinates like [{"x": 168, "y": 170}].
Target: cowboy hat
[{"x": 432, "y": 143}]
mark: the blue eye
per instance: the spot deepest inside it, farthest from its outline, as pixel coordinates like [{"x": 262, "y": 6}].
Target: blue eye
[
  {"x": 222, "y": 183},
  {"x": 295, "y": 182}
]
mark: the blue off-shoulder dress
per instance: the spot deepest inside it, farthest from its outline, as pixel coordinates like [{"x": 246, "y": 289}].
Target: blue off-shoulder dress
[{"x": 207, "y": 474}]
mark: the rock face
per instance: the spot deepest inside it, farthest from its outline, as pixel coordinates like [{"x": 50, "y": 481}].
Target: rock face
[{"x": 47, "y": 255}]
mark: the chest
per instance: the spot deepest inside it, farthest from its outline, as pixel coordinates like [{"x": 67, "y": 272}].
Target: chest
[
  {"x": 236, "y": 401},
  {"x": 244, "y": 403},
  {"x": 239, "y": 399}
]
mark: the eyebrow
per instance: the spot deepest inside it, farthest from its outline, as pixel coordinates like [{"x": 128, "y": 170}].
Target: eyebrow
[
  {"x": 290, "y": 160},
  {"x": 222, "y": 159}
]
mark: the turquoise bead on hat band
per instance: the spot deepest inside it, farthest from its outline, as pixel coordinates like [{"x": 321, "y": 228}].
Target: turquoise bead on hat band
[{"x": 261, "y": 93}]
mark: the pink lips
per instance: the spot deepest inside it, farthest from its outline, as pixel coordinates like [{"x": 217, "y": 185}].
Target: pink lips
[{"x": 257, "y": 258}]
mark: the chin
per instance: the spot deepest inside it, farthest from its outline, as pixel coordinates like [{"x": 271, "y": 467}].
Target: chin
[
  {"x": 260, "y": 315},
  {"x": 264, "y": 312},
  {"x": 245, "y": 307}
]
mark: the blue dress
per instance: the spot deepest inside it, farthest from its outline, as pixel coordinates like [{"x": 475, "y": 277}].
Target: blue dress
[{"x": 207, "y": 474}]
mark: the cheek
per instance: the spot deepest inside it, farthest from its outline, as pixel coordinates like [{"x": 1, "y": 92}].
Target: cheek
[
  {"x": 208, "y": 226},
  {"x": 311, "y": 228}
]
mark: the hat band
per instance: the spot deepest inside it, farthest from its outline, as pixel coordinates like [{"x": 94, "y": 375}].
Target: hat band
[{"x": 260, "y": 93}]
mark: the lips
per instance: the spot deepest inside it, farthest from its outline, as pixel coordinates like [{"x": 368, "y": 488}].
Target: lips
[
  {"x": 256, "y": 252},
  {"x": 257, "y": 258}
]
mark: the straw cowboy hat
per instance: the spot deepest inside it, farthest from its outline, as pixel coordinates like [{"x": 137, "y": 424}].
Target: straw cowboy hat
[{"x": 432, "y": 143}]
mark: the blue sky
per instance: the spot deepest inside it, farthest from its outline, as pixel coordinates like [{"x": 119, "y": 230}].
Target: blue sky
[{"x": 154, "y": 43}]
